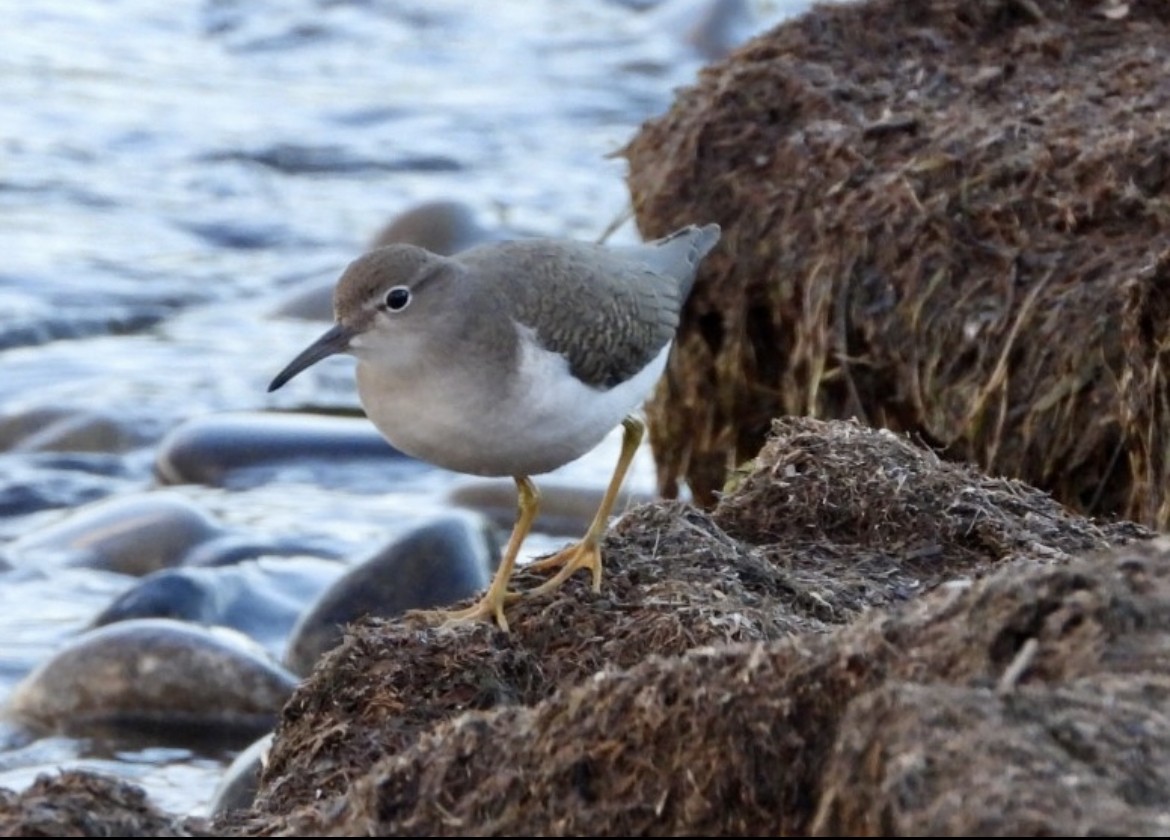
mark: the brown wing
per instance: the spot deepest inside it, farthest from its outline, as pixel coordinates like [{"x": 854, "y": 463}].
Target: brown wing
[{"x": 608, "y": 314}]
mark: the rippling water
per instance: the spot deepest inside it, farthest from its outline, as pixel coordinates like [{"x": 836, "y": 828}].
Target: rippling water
[{"x": 168, "y": 171}]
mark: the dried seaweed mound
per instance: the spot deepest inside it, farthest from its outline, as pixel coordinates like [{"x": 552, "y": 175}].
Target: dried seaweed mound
[
  {"x": 1034, "y": 702},
  {"x": 856, "y": 518},
  {"x": 943, "y": 217},
  {"x": 77, "y": 803},
  {"x": 673, "y": 582},
  {"x": 785, "y": 556},
  {"x": 819, "y": 483}
]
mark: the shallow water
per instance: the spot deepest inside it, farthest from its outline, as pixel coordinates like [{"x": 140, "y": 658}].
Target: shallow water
[{"x": 169, "y": 170}]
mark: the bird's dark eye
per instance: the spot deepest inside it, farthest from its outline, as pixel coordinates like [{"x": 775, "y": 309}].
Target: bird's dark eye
[{"x": 397, "y": 298}]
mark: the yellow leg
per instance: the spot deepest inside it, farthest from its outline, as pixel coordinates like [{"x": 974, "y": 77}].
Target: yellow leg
[
  {"x": 491, "y": 605},
  {"x": 587, "y": 553}
]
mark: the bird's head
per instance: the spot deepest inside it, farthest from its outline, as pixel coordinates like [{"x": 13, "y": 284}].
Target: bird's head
[{"x": 386, "y": 306}]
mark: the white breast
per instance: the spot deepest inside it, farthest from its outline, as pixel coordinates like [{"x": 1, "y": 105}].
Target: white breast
[{"x": 543, "y": 418}]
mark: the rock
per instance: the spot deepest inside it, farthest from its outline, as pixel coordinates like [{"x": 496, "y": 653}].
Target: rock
[
  {"x": 237, "y": 788},
  {"x": 711, "y": 28},
  {"x": 433, "y": 565},
  {"x": 311, "y": 301},
  {"x": 234, "y": 548},
  {"x": 900, "y": 247},
  {"x": 18, "y": 425},
  {"x": 80, "y": 431},
  {"x": 81, "y": 804},
  {"x": 565, "y": 509},
  {"x": 445, "y": 227},
  {"x": 246, "y": 449},
  {"x": 173, "y": 679},
  {"x": 133, "y": 535},
  {"x": 244, "y": 233},
  {"x": 64, "y": 430},
  {"x": 442, "y": 226},
  {"x": 40, "y": 481},
  {"x": 261, "y": 598}
]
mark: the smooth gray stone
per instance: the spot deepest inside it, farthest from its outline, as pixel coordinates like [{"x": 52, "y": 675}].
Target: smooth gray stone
[
  {"x": 231, "y": 549},
  {"x": 261, "y": 598},
  {"x": 442, "y": 226},
  {"x": 311, "y": 301},
  {"x": 133, "y": 535},
  {"x": 79, "y": 431},
  {"x": 303, "y": 159},
  {"x": 433, "y": 565},
  {"x": 565, "y": 509},
  {"x": 237, "y": 789},
  {"x": 156, "y": 675},
  {"x": 243, "y": 233},
  {"x": 32, "y": 483},
  {"x": 712, "y": 28},
  {"x": 250, "y": 448},
  {"x": 19, "y": 425},
  {"x": 445, "y": 227}
]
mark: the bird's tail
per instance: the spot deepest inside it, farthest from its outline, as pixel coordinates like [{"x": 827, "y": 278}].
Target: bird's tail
[
  {"x": 699, "y": 243},
  {"x": 677, "y": 255},
  {"x": 706, "y": 239}
]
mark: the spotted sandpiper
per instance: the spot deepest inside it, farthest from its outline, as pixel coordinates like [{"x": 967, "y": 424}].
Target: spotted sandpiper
[{"x": 512, "y": 359}]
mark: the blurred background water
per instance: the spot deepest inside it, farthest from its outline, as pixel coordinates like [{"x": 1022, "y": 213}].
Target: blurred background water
[{"x": 170, "y": 171}]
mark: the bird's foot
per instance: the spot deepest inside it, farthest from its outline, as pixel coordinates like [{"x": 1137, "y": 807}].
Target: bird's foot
[
  {"x": 488, "y": 608},
  {"x": 584, "y": 555}
]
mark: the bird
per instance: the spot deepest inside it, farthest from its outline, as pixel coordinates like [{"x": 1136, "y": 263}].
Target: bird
[{"x": 512, "y": 359}]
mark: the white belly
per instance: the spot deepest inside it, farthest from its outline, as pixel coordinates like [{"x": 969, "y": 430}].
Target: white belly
[{"x": 545, "y": 419}]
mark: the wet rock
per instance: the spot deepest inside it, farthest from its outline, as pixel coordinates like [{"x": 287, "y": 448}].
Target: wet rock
[
  {"x": 81, "y": 804},
  {"x": 233, "y": 548},
  {"x": 711, "y": 28},
  {"x": 133, "y": 535},
  {"x": 250, "y": 448},
  {"x": 565, "y": 509},
  {"x": 165, "y": 677},
  {"x": 443, "y": 226},
  {"x": 244, "y": 234},
  {"x": 434, "y": 565},
  {"x": 17, "y": 426},
  {"x": 237, "y": 788},
  {"x": 78, "y": 431},
  {"x": 94, "y": 318},
  {"x": 298, "y": 159},
  {"x": 261, "y": 598},
  {"x": 311, "y": 301},
  {"x": 32, "y": 483}
]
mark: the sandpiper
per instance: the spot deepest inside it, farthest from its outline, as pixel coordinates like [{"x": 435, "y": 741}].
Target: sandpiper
[{"x": 512, "y": 359}]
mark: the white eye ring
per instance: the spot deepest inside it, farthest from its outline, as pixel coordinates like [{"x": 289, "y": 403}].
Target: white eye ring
[{"x": 397, "y": 298}]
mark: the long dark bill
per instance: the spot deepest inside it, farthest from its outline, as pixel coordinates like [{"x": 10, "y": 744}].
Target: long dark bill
[{"x": 336, "y": 340}]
